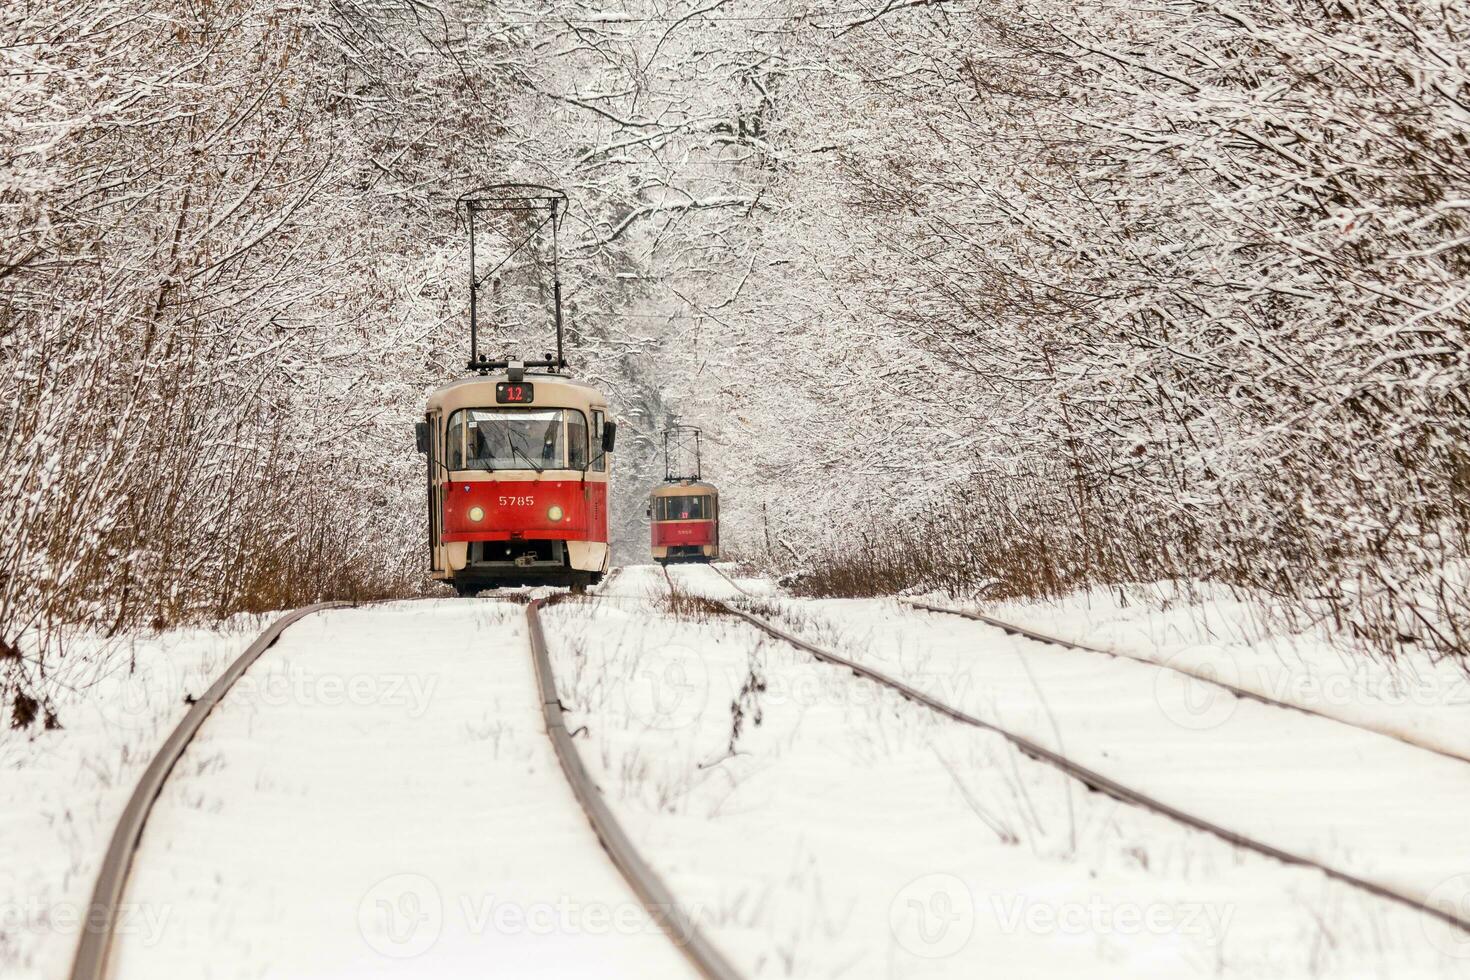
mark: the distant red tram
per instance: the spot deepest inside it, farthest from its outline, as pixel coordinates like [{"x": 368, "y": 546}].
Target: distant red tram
[
  {"x": 684, "y": 518},
  {"x": 684, "y": 511}
]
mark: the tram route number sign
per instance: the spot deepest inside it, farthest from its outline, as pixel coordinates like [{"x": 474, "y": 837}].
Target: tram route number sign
[{"x": 514, "y": 393}]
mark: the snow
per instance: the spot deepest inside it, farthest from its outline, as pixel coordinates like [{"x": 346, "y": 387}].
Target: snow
[
  {"x": 382, "y": 800},
  {"x": 1352, "y": 799},
  {"x": 62, "y": 791},
  {"x": 852, "y": 833},
  {"x": 377, "y": 796},
  {"x": 1410, "y": 698}
]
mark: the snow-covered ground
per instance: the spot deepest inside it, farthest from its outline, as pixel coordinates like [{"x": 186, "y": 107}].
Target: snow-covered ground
[
  {"x": 852, "y": 833},
  {"x": 62, "y": 791},
  {"x": 396, "y": 810},
  {"x": 378, "y": 796},
  {"x": 1215, "y": 634},
  {"x": 1355, "y": 800},
  {"x": 1359, "y": 801}
]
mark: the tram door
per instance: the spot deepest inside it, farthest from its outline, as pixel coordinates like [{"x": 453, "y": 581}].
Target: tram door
[{"x": 434, "y": 451}]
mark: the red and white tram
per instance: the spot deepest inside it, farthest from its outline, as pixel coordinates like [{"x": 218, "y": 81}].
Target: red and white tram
[
  {"x": 519, "y": 456},
  {"x": 518, "y": 481},
  {"x": 684, "y": 511},
  {"x": 685, "y": 520}
]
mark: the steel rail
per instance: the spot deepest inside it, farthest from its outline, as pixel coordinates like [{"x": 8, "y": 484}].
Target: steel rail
[
  {"x": 669, "y": 580},
  {"x": 1101, "y": 783},
  {"x": 644, "y": 881},
  {"x": 607, "y": 580},
  {"x": 733, "y": 584},
  {"x": 102, "y": 913},
  {"x": 1234, "y": 689},
  {"x": 1237, "y": 691}
]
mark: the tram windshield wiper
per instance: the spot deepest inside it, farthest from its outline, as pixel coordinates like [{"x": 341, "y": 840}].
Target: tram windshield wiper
[{"x": 510, "y": 441}]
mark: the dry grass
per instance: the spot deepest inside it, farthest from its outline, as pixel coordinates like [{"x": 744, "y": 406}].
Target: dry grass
[
  {"x": 1394, "y": 592},
  {"x": 277, "y": 543},
  {"x": 689, "y": 607}
]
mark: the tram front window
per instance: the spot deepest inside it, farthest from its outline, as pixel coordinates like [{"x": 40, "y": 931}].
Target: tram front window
[
  {"x": 517, "y": 439},
  {"x": 690, "y": 508}
]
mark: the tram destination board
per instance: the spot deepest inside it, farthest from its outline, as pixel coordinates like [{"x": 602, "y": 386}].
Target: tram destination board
[{"x": 514, "y": 393}]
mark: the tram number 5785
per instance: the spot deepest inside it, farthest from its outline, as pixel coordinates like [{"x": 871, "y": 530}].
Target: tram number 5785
[{"x": 517, "y": 501}]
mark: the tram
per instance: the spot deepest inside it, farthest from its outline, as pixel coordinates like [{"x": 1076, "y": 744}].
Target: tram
[
  {"x": 684, "y": 511},
  {"x": 518, "y": 454}
]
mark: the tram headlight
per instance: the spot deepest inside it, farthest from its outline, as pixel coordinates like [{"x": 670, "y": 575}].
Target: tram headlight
[
  {"x": 554, "y": 513},
  {"x": 477, "y": 514}
]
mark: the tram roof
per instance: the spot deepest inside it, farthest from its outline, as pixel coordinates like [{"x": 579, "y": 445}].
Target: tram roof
[
  {"x": 559, "y": 387},
  {"x": 670, "y": 488}
]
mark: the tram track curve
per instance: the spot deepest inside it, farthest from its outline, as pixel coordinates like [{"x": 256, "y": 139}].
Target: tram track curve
[
  {"x": 1092, "y": 779},
  {"x": 1245, "y": 694}
]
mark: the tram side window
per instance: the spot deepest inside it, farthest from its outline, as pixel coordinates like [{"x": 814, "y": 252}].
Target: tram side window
[
  {"x": 454, "y": 444},
  {"x": 599, "y": 458},
  {"x": 576, "y": 440}
]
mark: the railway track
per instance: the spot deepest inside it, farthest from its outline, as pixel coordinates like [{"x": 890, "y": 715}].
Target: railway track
[
  {"x": 92, "y": 957},
  {"x": 107, "y": 894},
  {"x": 95, "y": 944},
  {"x": 644, "y": 881},
  {"x": 1090, "y": 778},
  {"x": 733, "y": 584},
  {"x": 1244, "y": 694}
]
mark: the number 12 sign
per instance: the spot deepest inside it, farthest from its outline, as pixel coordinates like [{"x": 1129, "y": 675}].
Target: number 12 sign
[{"x": 514, "y": 393}]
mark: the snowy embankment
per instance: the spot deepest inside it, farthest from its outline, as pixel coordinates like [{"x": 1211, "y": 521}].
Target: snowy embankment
[
  {"x": 62, "y": 791},
  {"x": 1354, "y": 800},
  {"x": 1217, "y": 635},
  {"x": 852, "y": 833}
]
